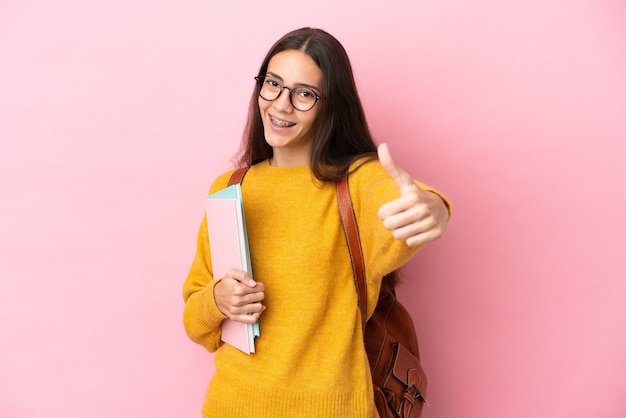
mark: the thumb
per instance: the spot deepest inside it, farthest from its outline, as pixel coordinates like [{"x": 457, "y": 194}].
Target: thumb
[{"x": 402, "y": 179}]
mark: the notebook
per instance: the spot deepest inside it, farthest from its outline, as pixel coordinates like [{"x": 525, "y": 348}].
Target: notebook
[{"x": 229, "y": 249}]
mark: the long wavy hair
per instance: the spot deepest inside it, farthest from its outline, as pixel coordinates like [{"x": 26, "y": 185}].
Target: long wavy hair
[{"x": 342, "y": 135}]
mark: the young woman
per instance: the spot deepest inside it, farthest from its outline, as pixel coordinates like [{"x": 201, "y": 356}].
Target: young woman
[{"x": 306, "y": 129}]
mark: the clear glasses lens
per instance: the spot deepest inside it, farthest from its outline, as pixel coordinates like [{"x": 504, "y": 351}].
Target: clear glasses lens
[{"x": 301, "y": 98}]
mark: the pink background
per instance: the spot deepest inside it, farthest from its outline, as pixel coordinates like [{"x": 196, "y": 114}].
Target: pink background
[{"x": 115, "y": 117}]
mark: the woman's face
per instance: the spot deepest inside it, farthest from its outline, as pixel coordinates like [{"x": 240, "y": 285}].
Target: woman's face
[{"x": 287, "y": 130}]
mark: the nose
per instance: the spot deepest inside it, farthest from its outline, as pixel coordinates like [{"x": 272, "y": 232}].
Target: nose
[{"x": 283, "y": 101}]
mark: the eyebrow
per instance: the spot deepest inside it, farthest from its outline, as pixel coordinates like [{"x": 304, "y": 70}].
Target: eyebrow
[{"x": 295, "y": 85}]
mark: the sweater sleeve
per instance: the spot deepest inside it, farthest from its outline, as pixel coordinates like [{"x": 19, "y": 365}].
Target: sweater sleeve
[{"x": 201, "y": 316}]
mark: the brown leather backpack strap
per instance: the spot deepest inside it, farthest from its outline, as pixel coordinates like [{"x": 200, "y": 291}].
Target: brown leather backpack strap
[
  {"x": 237, "y": 176},
  {"x": 351, "y": 231}
]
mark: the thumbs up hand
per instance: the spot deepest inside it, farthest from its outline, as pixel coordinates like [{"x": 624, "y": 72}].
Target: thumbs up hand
[{"x": 417, "y": 216}]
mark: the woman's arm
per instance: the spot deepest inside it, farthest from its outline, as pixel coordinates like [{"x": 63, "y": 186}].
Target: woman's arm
[{"x": 201, "y": 317}]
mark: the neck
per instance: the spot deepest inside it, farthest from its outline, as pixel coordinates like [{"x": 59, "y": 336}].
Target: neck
[{"x": 283, "y": 158}]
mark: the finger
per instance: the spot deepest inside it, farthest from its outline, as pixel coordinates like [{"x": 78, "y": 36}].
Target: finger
[
  {"x": 402, "y": 179},
  {"x": 397, "y": 214},
  {"x": 408, "y": 204},
  {"x": 406, "y": 230},
  {"x": 423, "y": 238},
  {"x": 241, "y": 276},
  {"x": 243, "y": 298},
  {"x": 247, "y": 309},
  {"x": 249, "y": 318}
]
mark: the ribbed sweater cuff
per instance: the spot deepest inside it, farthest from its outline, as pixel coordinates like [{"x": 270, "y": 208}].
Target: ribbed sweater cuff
[{"x": 211, "y": 314}]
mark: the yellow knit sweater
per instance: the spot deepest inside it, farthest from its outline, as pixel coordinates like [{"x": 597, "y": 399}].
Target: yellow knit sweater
[{"x": 309, "y": 360}]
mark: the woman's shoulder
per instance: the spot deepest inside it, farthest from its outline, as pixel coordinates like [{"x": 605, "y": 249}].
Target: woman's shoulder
[
  {"x": 221, "y": 181},
  {"x": 365, "y": 169}
]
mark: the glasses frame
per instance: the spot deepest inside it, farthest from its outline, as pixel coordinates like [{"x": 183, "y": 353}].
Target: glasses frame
[{"x": 261, "y": 78}]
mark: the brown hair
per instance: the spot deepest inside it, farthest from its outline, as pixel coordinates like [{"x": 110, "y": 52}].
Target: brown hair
[{"x": 342, "y": 135}]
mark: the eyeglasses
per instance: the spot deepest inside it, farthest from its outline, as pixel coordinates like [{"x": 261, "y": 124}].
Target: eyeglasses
[{"x": 301, "y": 98}]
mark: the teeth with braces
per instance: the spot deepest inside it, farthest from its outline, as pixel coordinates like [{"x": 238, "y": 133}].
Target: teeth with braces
[{"x": 280, "y": 122}]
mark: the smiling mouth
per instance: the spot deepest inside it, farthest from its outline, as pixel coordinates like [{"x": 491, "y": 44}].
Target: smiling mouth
[{"x": 280, "y": 122}]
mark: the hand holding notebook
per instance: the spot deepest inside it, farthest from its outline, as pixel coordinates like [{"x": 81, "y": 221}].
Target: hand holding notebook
[{"x": 239, "y": 296}]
